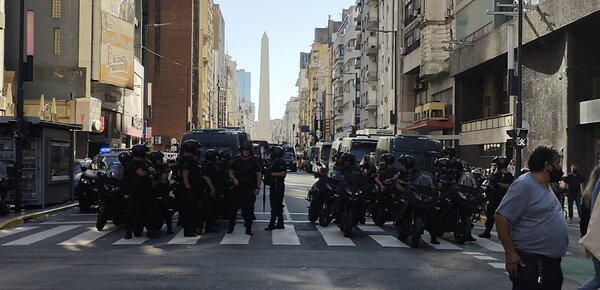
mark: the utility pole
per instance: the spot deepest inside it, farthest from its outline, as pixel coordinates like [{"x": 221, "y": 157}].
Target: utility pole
[
  {"x": 519, "y": 105},
  {"x": 19, "y": 128}
]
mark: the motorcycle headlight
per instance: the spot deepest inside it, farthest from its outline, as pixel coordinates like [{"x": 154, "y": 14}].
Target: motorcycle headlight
[
  {"x": 84, "y": 181},
  {"x": 115, "y": 189}
]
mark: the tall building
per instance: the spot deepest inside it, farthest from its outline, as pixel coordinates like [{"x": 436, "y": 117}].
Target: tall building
[
  {"x": 244, "y": 79},
  {"x": 264, "y": 98},
  {"x": 232, "y": 103},
  {"x": 367, "y": 21},
  {"x": 86, "y": 57},
  {"x": 291, "y": 121},
  {"x": 305, "y": 106},
  {"x": 346, "y": 74},
  {"x": 3, "y": 88},
  {"x": 247, "y": 118},
  {"x": 176, "y": 87},
  {"x": 220, "y": 86},
  {"x": 277, "y": 132},
  {"x": 207, "y": 85}
]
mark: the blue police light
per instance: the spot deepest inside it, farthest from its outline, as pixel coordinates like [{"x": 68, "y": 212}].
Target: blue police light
[{"x": 105, "y": 150}]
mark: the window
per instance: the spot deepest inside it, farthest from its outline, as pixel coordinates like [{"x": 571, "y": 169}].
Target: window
[
  {"x": 56, "y": 8},
  {"x": 492, "y": 149},
  {"x": 56, "y": 41},
  {"x": 59, "y": 160}
]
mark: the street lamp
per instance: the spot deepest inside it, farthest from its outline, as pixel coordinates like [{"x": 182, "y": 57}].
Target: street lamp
[
  {"x": 394, "y": 115},
  {"x": 145, "y": 64},
  {"x": 356, "y": 100}
]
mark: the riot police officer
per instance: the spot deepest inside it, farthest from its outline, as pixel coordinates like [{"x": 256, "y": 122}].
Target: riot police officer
[
  {"x": 224, "y": 184},
  {"x": 188, "y": 190},
  {"x": 456, "y": 165},
  {"x": 386, "y": 174},
  {"x": 275, "y": 177},
  {"x": 140, "y": 176},
  {"x": 208, "y": 198},
  {"x": 164, "y": 204},
  {"x": 354, "y": 177},
  {"x": 246, "y": 176},
  {"x": 500, "y": 181},
  {"x": 125, "y": 159}
]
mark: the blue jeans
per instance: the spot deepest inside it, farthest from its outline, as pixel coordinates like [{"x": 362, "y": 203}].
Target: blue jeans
[
  {"x": 540, "y": 272},
  {"x": 594, "y": 282}
]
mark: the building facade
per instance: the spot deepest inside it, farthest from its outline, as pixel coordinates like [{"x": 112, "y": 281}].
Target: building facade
[
  {"x": 232, "y": 99},
  {"x": 367, "y": 21},
  {"x": 207, "y": 64},
  {"x": 291, "y": 121},
  {"x": 244, "y": 81}
]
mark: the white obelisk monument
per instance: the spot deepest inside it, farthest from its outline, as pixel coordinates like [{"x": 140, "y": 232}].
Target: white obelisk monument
[{"x": 264, "y": 108}]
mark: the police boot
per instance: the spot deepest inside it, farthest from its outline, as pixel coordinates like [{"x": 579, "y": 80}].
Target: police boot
[
  {"x": 170, "y": 227},
  {"x": 271, "y": 225},
  {"x": 486, "y": 234},
  {"x": 280, "y": 225},
  {"x": 128, "y": 234},
  {"x": 249, "y": 230},
  {"x": 230, "y": 229}
]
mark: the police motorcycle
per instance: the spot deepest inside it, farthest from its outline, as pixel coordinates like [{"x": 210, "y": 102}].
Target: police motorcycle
[
  {"x": 352, "y": 196},
  {"x": 329, "y": 195},
  {"x": 112, "y": 196},
  {"x": 384, "y": 205},
  {"x": 419, "y": 200},
  {"x": 317, "y": 193},
  {"x": 459, "y": 202}
]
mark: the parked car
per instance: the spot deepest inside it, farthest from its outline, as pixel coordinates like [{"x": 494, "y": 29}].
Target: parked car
[{"x": 289, "y": 156}]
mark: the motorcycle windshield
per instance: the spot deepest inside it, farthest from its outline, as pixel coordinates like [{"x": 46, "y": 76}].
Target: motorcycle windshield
[
  {"x": 467, "y": 179},
  {"x": 115, "y": 170},
  {"x": 424, "y": 178}
]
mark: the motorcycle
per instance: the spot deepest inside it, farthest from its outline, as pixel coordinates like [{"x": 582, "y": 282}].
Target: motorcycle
[
  {"x": 350, "y": 202},
  {"x": 461, "y": 202},
  {"x": 331, "y": 198},
  {"x": 112, "y": 196},
  {"x": 317, "y": 193},
  {"x": 421, "y": 197},
  {"x": 384, "y": 204}
]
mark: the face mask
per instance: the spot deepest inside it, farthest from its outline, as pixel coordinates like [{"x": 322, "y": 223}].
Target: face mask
[{"x": 555, "y": 174}]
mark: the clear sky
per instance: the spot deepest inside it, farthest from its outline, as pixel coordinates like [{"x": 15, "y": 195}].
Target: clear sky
[{"x": 290, "y": 26}]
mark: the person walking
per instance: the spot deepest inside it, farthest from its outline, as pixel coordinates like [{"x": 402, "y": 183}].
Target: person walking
[
  {"x": 590, "y": 196},
  {"x": 531, "y": 226},
  {"x": 275, "y": 178},
  {"x": 575, "y": 184},
  {"x": 500, "y": 182}
]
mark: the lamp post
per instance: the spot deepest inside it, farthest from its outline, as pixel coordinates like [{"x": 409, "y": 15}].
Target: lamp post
[
  {"x": 356, "y": 100},
  {"x": 145, "y": 64},
  {"x": 394, "y": 115}
]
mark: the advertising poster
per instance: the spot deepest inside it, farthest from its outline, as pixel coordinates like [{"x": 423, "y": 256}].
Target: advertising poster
[
  {"x": 116, "y": 52},
  {"x": 124, "y": 9}
]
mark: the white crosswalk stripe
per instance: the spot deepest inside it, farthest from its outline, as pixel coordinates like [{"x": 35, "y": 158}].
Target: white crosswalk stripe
[
  {"x": 286, "y": 236},
  {"x": 28, "y": 240},
  {"x": 334, "y": 237},
  {"x": 87, "y": 237},
  {"x": 13, "y": 231},
  {"x": 331, "y": 236}
]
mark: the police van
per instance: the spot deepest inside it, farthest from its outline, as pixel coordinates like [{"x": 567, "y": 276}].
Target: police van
[
  {"x": 423, "y": 148},
  {"x": 359, "y": 146},
  {"x": 217, "y": 139}
]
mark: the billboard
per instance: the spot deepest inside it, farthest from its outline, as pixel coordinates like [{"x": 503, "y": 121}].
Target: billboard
[
  {"x": 124, "y": 9},
  {"x": 116, "y": 51}
]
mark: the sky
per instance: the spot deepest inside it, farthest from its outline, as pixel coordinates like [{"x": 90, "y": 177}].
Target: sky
[{"x": 290, "y": 26}]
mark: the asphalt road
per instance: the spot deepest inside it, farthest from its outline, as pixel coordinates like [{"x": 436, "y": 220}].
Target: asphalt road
[{"x": 64, "y": 251}]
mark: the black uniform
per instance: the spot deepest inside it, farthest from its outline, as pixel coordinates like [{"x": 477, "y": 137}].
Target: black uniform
[
  {"x": 457, "y": 169},
  {"x": 496, "y": 195},
  {"x": 224, "y": 186},
  {"x": 276, "y": 191},
  {"x": 245, "y": 170},
  {"x": 188, "y": 200},
  {"x": 207, "y": 201},
  {"x": 141, "y": 201},
  {"x": 165, "y": 202}
]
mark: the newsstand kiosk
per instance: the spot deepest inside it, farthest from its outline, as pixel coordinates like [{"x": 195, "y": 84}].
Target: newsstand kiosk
[{"x": 47, "y": 160}]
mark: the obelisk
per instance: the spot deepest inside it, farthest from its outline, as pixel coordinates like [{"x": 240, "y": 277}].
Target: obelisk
[{"x": 264, "y": 98}]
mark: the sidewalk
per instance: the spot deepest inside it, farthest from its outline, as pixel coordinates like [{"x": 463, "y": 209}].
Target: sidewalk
[{"x": 13, "y": 218}]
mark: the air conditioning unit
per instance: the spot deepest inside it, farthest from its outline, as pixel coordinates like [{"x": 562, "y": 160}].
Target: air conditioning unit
[{"x": 418, "y": 86}]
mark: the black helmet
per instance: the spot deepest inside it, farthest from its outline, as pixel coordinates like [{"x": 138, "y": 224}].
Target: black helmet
[
  {"x": 501, "y": 161},
  {"x": 387, "y": 158},
  {"x": 211, "y": 155},
  {"x": 139, "y": 150},
  {"x": 125, "y": 157},
  {"x": 190, "y": 146},
  {"x": 155, "y": 156},
  {"x": 337, "y": 156},
  {"x": 407, "y": 160},
  {"x": 276, "y": 152},
  {"x": 225, "y": 155},
  {"x": 442, "y": 163},
  {"x": 247, "y": 146},
  {"x": 450, "y": 151},
  {"x": 348, "y": 156}
]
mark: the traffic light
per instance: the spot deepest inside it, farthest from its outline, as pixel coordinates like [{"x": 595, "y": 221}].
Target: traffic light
[{"x": 518, "y": 137}]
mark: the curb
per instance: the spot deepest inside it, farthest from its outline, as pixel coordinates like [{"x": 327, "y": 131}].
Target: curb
[{"x": 34, "y": 216}]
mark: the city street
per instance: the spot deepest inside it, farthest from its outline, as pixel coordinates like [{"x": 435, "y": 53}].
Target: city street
[{"x": 66, "y": 251}]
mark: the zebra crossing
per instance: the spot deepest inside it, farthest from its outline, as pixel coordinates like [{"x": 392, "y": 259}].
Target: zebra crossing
[{"x": 83, "y": 235}]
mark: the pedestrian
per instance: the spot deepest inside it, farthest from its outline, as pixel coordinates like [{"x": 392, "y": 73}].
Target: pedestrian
[
  {"x": 275, "y": 178},
  {"x": 590, "y": 196},
  {"x": 511, "y": 167},
  {"x": 188, "y": 190},
  {"x": 246, "y": 175},
  {"x": 531, "y": 226},
  {"x": 575, "y": 184},
  {"x": 586, "y": 200},
  {"x": 500, "y": 182}
]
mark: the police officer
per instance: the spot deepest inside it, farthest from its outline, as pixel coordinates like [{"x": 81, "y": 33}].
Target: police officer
[
  {"x": 224, "y": 184},
  {"x": 456, "y": 166},
  {"x": 188, "y": 190},
  {"x": 246, "y": 176},
  {"x": 275, "y": 177},
  {"x": 125, "y": 159},
  {"x": 354, "y": 177},
  {"x": 143, "y": 209},
  {"x": 500, "y": 181},
  {"x": 387, "y": 174},
  {"x": 165, "y": 208},
  {"x": 208, "y": 198}
]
